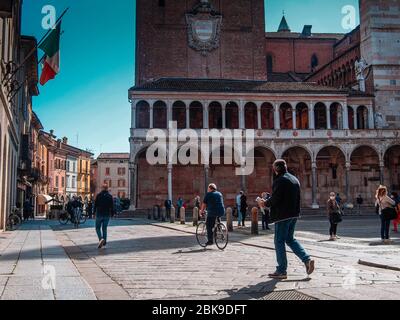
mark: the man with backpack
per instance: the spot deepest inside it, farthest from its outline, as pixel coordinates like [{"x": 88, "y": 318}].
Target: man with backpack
[{"x": 104, "y": 209}]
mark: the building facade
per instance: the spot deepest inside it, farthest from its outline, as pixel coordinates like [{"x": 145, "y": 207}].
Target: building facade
[
  {"x": 113, "y": 170},
  {"x": 327, "y": 131}
]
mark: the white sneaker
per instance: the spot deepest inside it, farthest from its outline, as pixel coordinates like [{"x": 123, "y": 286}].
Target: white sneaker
[{"x": 101, "y": 243}]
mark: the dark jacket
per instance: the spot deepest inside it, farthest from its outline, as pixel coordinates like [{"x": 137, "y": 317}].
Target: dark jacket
[
  {"x": 285, "y": 199},
  {"x": 243, "y": 204},
  {"x": 104, "y": 204}
]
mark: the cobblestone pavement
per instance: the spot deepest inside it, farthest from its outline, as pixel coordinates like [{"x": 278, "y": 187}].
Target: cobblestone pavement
[{"x": 151, "y": 260}]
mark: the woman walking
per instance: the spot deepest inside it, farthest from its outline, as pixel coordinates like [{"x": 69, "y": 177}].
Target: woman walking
[
  {"x": 384, "y": 202},
  {"x": 334, "y": 216},
  {"x": 243, "y": 208}
]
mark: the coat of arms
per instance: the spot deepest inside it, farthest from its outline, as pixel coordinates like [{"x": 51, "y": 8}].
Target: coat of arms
[{"x": 204, "y": 27}]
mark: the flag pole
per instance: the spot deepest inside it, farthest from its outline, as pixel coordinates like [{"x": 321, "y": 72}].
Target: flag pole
[{"x": 37, "y": 45}]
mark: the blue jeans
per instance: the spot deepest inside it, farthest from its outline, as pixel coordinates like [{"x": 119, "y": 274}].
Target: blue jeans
[
  {"x": 101, "y": 227},
  {"x": 385, "y": 228},
  {"x": 239, "y": 215},
  {"x": 284, "y": 235}
]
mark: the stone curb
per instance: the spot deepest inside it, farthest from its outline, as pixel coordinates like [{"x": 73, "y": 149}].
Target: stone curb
[{"x": 377, "y": 265}]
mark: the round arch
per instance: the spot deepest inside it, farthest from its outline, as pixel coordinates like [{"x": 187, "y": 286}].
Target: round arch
[
  {"x": 142, "y": 115},
  {"x": 160, "y": 115},
  {"x": 392, "y": 168}
]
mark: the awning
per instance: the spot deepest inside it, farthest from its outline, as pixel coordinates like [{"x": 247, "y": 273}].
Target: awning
[{"x": 43, "y": 199}]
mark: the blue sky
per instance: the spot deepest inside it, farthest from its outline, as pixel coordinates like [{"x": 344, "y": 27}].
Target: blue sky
[{"x": 88, "y": 101}]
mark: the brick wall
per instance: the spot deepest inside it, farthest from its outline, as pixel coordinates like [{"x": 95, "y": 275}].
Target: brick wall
[{"x": 162, "y": 42}]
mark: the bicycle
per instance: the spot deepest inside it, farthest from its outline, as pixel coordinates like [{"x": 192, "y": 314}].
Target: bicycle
[
  {"x": 79, "y": 218},
  {"x": 13, "y": 220},
  {"x": 220, "y": 233}
]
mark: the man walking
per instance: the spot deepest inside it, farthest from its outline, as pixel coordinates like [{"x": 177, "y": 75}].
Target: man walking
[
  {"x": 103, "y": 208},
  {"x": 238, "y": 200},
  {"x": 214, "y": 203},
  {"x": 285, "y": 210}
]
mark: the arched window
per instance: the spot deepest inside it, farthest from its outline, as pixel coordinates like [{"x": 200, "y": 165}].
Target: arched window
[
  {"x": 215, "y": 115},
  {"x": 320, "y": 116},
  {"x": 362, "y": 117},
  {"x": 267, "y": 116},
  {"x": 179, "y": 114},
  {"x": 232, "y": 115},
  {"x": 302, "y": 116},
  {"x": 142, "y": 115},
  {"x": 270, "y": 64},
  {"x": 196, "y": 115},
  {"x": 286, "y": 116},
  {"x": 251, "y": 121},
  {"x": 314, "y": 61},
  {"x": 160, "y": 115},
  {"x": 350, "y": 112}
]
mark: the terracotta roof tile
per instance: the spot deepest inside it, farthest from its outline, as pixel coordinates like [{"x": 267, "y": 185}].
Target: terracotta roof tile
[
  {"x": 237, "y": 86},
  {"x": 121, "y": 156}
]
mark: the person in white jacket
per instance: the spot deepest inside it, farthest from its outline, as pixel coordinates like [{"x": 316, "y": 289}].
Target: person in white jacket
[{"x": 383, "y": 201}]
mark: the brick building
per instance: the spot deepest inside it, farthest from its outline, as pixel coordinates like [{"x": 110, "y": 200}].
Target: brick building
[{"x": 299, "y": 91}]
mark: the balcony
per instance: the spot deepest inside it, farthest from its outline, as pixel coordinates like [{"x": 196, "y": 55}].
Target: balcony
[{"x": 141, "y": 134}]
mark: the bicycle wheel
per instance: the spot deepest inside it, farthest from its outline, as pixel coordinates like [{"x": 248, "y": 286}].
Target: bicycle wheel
[
  {"x": 221, "y": 236},
  {"x": 201, "y": 234},
  {"x": 16, "y": 219},
  {"x": 63, "y": 218}
]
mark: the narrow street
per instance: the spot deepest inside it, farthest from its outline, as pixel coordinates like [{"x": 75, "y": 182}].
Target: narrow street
[{"x": 149, "y": 260}]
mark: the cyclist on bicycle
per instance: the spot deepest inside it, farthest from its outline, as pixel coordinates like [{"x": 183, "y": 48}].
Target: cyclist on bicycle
[{"x": 214, "y": 203}]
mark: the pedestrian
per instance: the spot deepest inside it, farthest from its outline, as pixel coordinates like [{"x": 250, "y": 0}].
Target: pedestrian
[
  {"x": 89, "y": 209},
  {"x": 214, "y": 203},
  {"x": 27, "y": 209},
  {"x": 179, "y": 205},
  {"x": 243, "y": 208},
  {"x": 334, "y": 215},
  {"x": 338, "y": 199},
  {"x": 360, "y": 201},
  {"x": 103, "y": 208},
  {"x": 267, "y": 211},
  {"x": 285, "y": 210},
  {"x": 168, "y": 206},
  {"x": 395, "y": 197},
  {"x": 384, "y": 202},
  {"x": 239, "y": 213},
  {"x": 263, "y": 209},
  {"x": 197, "y": 203}
]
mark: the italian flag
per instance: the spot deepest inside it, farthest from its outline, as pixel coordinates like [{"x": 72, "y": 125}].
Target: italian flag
[{"x": 51, "y": 48}]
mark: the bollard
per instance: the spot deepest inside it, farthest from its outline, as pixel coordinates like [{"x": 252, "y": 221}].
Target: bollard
[
  {"x": 229, "y": 219},
  {"x": 163, "y": 214},
  {"x": 254, "y": 221},
  {"x": 172, "y": 218},
  {"x": 183, "y": 215},
  {"x": 195, "y": 216}
]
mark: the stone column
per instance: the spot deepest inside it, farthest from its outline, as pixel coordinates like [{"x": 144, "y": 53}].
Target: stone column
[
  {"x": 311, "y": 120},
  {"x": 328, "y": 115},
  {"x": 345, "y": 116},
  {"x": 151, "y": 115},
  {"x": 206, "y": 169},
  {"x": 259, "y": 117},
  {"x": 277, "y": 117},
  {"x": 371, "y": 120},
  {"x": 355, "y": 118},
  {"x": 195, "y": 216},
  {"x": 254, "y": 221},
  {"x": 229, "y": 219},
  {"x": 314, "y": 186},
  {"x": 133, "y": 182},
  {"x": 169, "y": 110},
  {"x": 187, "y": 117},
  {"x": 294, "y": 118},
  {"x": 347, "y": 177},
  {"x": 223, "y": 116},
  {"x": 241, "y": 115},
  {"x": 133, "y": 120},
  {"x": 205, "y": 115},
  {"x": 170, "y": 182},
  {"x": 381, "y": 172}
]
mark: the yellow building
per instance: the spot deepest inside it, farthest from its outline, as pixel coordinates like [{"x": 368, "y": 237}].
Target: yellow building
[{"x": 84, "y": 175}]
